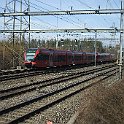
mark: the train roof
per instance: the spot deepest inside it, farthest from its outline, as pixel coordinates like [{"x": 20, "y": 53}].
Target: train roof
[
  {"x": 62, "y": 51},
  {"x": 32, "y": 50},
  {"x": 90, "y": 53},
  {"x": 103, "y": 53}
]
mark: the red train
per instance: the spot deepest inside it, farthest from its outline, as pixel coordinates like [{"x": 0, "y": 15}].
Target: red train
[{"x": 40, "y": 58}]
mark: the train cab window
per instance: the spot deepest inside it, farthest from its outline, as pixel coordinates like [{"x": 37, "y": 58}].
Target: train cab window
[{"x": 30, "y": 57}]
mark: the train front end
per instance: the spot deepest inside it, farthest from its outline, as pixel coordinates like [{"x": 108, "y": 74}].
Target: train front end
[{"x": 29, "y": 57}]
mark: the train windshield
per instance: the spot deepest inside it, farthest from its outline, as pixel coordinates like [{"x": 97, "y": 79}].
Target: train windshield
[
  {"x": 30, "y": 54},
  {"x": 29, "y": 57}
]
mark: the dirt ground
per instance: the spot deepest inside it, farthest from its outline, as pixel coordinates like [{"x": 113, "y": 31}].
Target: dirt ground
[{"x": 103, "y": 105}]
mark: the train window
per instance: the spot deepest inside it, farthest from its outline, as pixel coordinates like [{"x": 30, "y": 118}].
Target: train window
[
  {"x": 55, "y": 58},
  {"x": 61, "y": 58},
  {"x": 45, "y": 57},
  {"x": 69, "y": 58},
  {"x": 78, "y": 58},
  {"x": 73, "y": 58},
  {"x": 84, "y": 57},
  {"x": 91, "y": 57},
  {"x": 42, "y": 57},
  {"x": 37, "y": 57}
]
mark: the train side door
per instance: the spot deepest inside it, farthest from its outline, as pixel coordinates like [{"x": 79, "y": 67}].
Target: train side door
[
  {"x": 73, "y": 58},
  {"x": 51, "y": 60}
]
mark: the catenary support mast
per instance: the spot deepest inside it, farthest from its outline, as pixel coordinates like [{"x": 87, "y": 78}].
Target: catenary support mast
[{"x": 121, "y": 39}]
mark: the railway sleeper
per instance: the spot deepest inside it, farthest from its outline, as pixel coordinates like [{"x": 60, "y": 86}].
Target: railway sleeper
[
  {"x": 18, "y": 114},
  {"x": 24, "y": 110},
  {"x": 4, "y": 119}
]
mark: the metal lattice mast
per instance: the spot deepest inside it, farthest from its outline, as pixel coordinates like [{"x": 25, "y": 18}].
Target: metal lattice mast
[
  {"x": 13, "y": 40},
  {"x": 11, "y": 23},
  {"x": 20, "y": 33},
  {"x": 4, "y": 43}
]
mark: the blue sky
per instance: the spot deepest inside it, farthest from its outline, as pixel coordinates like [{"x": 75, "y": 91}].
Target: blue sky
[{"x": 67, "y": 21}]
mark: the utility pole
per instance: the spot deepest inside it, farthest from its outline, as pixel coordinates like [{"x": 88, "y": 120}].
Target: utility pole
[{"x": 121, "y": 38}]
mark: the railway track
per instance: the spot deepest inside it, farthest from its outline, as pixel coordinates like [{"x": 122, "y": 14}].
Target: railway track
[
  {"x": 26, "y": 73},
  {"x": 21, "y": 74},
  {"x": 15, "y": 74},
  {"x": 39, "y": 84},
  {"x": 24, "y": 110}
]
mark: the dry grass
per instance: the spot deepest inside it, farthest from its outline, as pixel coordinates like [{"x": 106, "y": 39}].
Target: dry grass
[{"x": 103, "y": 105}]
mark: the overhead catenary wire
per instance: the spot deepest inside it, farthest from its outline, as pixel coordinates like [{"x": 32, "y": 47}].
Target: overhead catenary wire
[
  {"x": 116, "y": 4},
  {"x": 92, "y": 8},
  {"x": 58, "y": 9},
  {"x": 62, "y": 18},
  {"x": 109, "y": 2}
]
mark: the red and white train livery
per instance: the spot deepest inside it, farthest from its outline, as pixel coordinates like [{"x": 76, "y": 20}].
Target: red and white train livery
[{"x": 41, "y": 58}]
